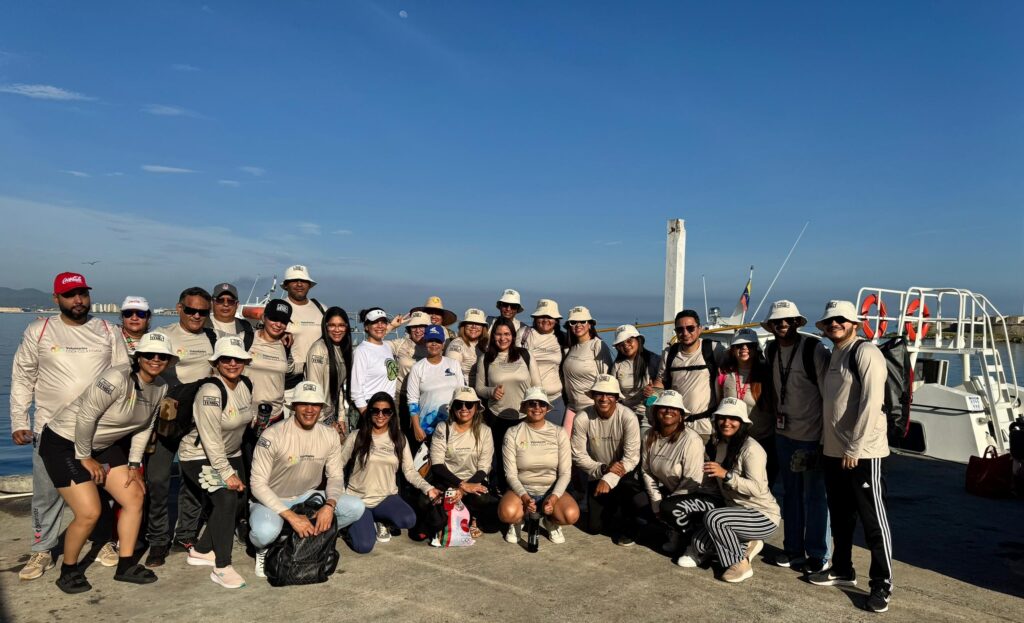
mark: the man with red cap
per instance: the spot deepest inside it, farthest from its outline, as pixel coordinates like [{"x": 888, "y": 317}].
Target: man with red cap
[{"x": 59, "y": 357}]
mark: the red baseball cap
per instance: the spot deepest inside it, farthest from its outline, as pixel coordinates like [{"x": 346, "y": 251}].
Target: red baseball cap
[{"x": 65, "y": 282}]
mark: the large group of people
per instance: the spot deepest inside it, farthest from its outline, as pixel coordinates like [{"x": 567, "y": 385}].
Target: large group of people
[{"x": 534, "y": 427}]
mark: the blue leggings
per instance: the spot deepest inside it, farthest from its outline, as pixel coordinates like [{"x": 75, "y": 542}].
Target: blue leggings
[{"x": 392, "y": 510}]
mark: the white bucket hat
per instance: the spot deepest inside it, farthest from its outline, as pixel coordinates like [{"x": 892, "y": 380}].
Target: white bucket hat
[
  {"x": 512, "y": 298},
  {"x": 307, "y": 392},
  {"x": 606, "y": 384},
  {"x": 733, "y": 407},
  {"x": 547, "y": 307},
  {"x": 625, "y": 332},
  {"x": 474, "y": 316},
  {"x": 535, "y": 393},
  {"x": 783, "y": 309},
  {"x": 156, "y": 343},
  {"x": 417, "y": 319},
  {"x": 836, "y": 309},
  {"x": 296, "y": 273},
  {"x": 670, "y": 398},
  {"x": 229, "y": 346},
  {"x": 463, "y": 394},
  {"x": 744, "y": 336},
  {"x": 135, "y": 302},
  {"x": 580, "y": 313}
]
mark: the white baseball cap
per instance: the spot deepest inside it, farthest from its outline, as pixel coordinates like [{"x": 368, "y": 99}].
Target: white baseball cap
[
  {"x": 733, "y": 407},
  {"x": 837, "y": 309},
  {"x": 474, "y": 316},
  {"x": 156, "y": 343},
  {"x": 374, "y": 315},
  {"x": 580, "y": 313},
  {"x": 512, "y": 298},
  {"x": 229, "y": 346},
  {"x": 624, "y": 332},
  {"x": 307, "y": 392},
  {"x": 547, "y": 307},
  {"x": 297, "y": 273},
  {"x": 135, "y": 302},
  {"x": 783, "y": 309},
  {"x": 535, "y": 393}
]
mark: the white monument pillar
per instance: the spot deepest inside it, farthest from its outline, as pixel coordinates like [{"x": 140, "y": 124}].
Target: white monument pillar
[{"x": 675, "y": 273}]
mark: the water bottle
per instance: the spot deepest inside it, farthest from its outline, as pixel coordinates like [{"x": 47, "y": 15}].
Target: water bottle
[{"x": 533, "y": 533}]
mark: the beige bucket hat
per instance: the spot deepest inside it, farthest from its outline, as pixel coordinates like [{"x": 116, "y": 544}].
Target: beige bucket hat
[
  {"x": 606, "y": 384},
  {"x": 229, "y": 346},
  {"x": 744, "y": 336},
  {"x": 783, "y": 309},
  {"x": 510, "y": 297},
  {"x": 580, "y": 313},
  {"x": 474, "y": 316},
  {"x": 297, "y": 273},
  {"x": 434, "y": 305},
  {"x": 624, "y": 332},
  {"x": 307, "y": 392},
  {"x": 464, "y": 394},
  {"x": 535, "y": 393},
  {"x": 547, "y": 307},
  {"x": 418, "y": 319},
  {"x": 837, "y": 309},
  {"x": 732, "y": 407},
  {"x": 156, "y": 343},
  {"x": 670, "y": 398}
]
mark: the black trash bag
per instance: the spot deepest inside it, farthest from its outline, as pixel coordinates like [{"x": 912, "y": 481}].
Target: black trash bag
[{"x": 292, "y": 560}]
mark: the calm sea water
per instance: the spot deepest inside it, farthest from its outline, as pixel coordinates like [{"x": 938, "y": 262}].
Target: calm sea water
[{"x": 18, "y": 459}]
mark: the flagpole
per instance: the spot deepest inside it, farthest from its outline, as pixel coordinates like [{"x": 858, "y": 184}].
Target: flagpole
[
  {"x": 750, "y": 285},
  {"x": 705, "y": 283}
]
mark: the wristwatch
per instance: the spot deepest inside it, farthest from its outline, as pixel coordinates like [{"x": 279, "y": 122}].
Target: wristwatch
[
  {"x": 728, "y": 476},
  {"x": 134, "y": 465}
]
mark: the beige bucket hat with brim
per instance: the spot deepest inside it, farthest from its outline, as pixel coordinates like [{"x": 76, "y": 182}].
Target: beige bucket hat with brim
[
  {"x": 534, "y": 393},
  {"x": 297, "y": 273},
  {"x": 474, "y": 316},
  {"x": 732, "y": 407},
  {"x": 606, "y": 384},
  {"x": 744, "y": 336},
  {"x": 837, "y": 309},
  {"x": 580, "y": 313},
  {"x": 229, "y": 346},
  {"x": 307, "y": 392},
  {"x": 783, "y": 309},
  {"x": 547, "y": 307},
  {"x": 625, "y": 332},
  {"x": 672, "y": 399},
  {"x": 510, "y": 297},
  {"x": 418, "y": 319},
  {"x": 156, "y": 343},
  {"x": 435, "y": 306},
  {"x": 464, "y": 394}
]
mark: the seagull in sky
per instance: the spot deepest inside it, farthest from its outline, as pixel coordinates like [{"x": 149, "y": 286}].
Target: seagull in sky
[{"x": 92, "y": 263}]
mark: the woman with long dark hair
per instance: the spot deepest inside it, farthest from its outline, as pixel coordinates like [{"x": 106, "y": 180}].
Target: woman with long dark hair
[
  {"x": 750, "y": 514},
  {"x": 636, "y": 369},
  {"x": 377, "y": 452},
  {"x": 329, "y": 365},
  {"x": 743, "y": 376},
  {"x": 547, "y": 343}
]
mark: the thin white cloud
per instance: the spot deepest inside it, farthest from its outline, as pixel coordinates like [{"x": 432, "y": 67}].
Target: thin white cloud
[
  {"x": 113, "y": 174},
  {"x": 608, "y": 243},
  {"x": 158, "y": 168},
  {"x": 232, "y": 183},
  {"x": 309, "y": 229},
  {"x": 75, "y": 173},
  {"x": 254, "y": 171},
  {"x": 403, "y": 14},
  {"x": 342, "y": 232},
  {"x": 44, "y": 92},
  {"x": 184, "y": 67},
  {"x": 163, "y": 110}
]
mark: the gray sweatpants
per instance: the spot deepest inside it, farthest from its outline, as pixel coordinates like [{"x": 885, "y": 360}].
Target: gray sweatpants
[{"x": 47, "y": 505}]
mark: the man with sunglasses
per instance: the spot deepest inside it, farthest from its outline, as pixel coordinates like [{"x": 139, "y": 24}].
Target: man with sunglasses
[
  {"x": 307, "y": 318},
  {"x": 796, "y": 362},
  {"x": 58, "y": 358},
  {"x": 690, "y": 367},
  {"x": 193, "y": 346},
  {"x": 855, "y": 440},
  {"x": 223, "y": 320},
  {"x": 509, "y": 306}
]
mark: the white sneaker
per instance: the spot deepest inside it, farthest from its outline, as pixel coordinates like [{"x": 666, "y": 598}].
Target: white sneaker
[
  {"x": 194, "y": 558},
  {"x": 512, "y": 536},
  {"x": 554, "y": 531},
  {"x": 227, "y": 577},
  {"x": 261, "y": 559},
  {"x": 383, "y": 532},
  {"x": 672, "y": 544},
  {"x": 689, "y": 560},
  {"x": 435, "y": 542}
]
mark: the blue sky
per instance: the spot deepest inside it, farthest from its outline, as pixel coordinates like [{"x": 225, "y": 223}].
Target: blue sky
[{"x": 407, "y": 148}]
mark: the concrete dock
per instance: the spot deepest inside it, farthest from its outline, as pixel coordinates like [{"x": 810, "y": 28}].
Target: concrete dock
[{"x": 958, "y": 558}]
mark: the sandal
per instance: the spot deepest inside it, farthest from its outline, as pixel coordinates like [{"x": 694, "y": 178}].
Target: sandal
[
  {"x": 136, "y": 574},
  {"x": 73, "y": 582},
  {"x": 474, "y": 530}
]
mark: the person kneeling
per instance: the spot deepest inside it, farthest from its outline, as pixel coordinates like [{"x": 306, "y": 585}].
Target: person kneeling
[
  {"x": 288, "y": 464},
  {"x": 750, "y": 514}
]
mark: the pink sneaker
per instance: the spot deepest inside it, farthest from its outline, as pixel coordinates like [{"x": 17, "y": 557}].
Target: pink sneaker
[
  {"x": 227, "y": 577},
  {"x": 194, "y": 558}
]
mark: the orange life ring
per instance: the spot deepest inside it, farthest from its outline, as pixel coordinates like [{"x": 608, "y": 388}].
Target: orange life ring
[
  {"x": 871, "y": 301},
  {"x": 909, "y": 326}
]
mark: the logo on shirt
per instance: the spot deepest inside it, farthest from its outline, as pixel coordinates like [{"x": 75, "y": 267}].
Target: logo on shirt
[
  {"x": 71, "y": 350},
  {"x": 105, "y": 386},
  {"x": 318, "y": 359},
  {"x": 392, "y": 367},
  {"x": 263, "y": 443},
  {"x": 448, "y": 372},
  {"x": 211, "y": 401}
]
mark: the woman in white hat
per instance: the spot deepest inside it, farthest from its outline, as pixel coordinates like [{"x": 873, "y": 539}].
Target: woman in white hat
[
  {"x": 469, "y": 345},
  {"x": 374, "y": 368},
  {"x": 110, "y": 423},
  {"x": 672, "y": 458},
  {"x": 547, "y": 343},
  {"x": 410, "y": 349},
  {"x": 538, "y": 462},
  {"x": 587, "y": 358},
  {"x": 636, "y": 369},
  {"x": 222, "y": 410},
  {"x": 745, "y": 375},
  {"x": 750, "y": 514}
]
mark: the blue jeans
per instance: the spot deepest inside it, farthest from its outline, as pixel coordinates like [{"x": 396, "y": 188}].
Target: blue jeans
[
  {"x": 265, "y": 525},
  {"x": 804, "y": 505}
]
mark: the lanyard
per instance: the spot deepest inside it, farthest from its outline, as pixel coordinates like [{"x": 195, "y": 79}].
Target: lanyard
[
  {"x": 741, "y": 389},
  {"x": 784, "y": 372}
]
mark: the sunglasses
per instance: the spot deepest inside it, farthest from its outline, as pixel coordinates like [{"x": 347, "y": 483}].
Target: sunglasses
[
  {"x": 157, "y": 356},
  {"x": 232, "y": 360},
  {"x": 783, "y": 321},
  {"x": 226, "y": 300},
  {"x": 386, "y": 411},
  {"x": 743, "y": 346},
  {"x": 138, "y": 313},
  {"x": 687, "y": 328},
  {"x": 536, "y": 404},
  {"x": 458, "y": 405},
  {"x": 576, "y": 323},
  {"x": 508, "y": 306},
  {"x": 838, "y": 320},
  {"x": 192, "y": 311}
]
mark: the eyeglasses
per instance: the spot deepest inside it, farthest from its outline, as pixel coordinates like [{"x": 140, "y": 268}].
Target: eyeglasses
[
  {"x": 157, "y": 356},
  {"x": 536, "y": 404},
  {"x": 686, "y": 328},
  {"x": 232, "y": 360},
  {"x": 386, "y": 411},
  {"x": 458, "y": 405},
  {"x": 783, "y": 321},
  {"x": 192, "y": 311},
  {"x": 576, "y": 323},
  {"x": 838, "y": 319},
  {"x": 138, "y": 313},
  {"x": 227, "y": 300}
]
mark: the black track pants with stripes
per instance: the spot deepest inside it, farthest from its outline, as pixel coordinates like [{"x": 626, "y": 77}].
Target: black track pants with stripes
[{"x": 859, "y": 493}]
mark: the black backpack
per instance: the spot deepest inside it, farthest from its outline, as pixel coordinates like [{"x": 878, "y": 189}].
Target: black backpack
[
  {"x": 808, "y": 344},
  {"x": 184, "y": 420},
  {"x": 707, "y": 351},
  {"x": 899, "y": 384},
  {"x": 292, "y": 560}
]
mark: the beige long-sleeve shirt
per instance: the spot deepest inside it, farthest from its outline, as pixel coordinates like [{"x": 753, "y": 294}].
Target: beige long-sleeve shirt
[
  {"x": 466, "y": 355},
  {"x": 462, "y": 453},
  {"x": 738, "y": 385},
  {"x": 672, "y": 468},
  {"x": 193, "y": 350},
  {"x": 694, "y": 385},
  {"x": 546, "y": 353},
  {"x": 514, "y": 378},
  {"x": 748, "y": 486},
  {"x": 377, "y": 479},
  {"x": 583, "y": 363},
  {"x": 219, "y": 427},
  {"x": 267, "y": 371},
  {"x": 289, "y": 460},
  {"x": 112, "y": 407},
  {"x": 803, "y": 406},
  {"x": 537, "y": 460},
  {"x": 54, "y": 364},
  {"x": 598, "y": 441},
  {"x": 854, "y": 424},
  {"x": 406, "y": 353},
  {"x": 318, "y": 370},
  {"x": 306, "y": 329}
]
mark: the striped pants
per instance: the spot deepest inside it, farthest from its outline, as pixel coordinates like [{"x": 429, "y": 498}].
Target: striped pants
[
  {"x": 726, "y": 529},
  {"x": 859, "y": 493}
]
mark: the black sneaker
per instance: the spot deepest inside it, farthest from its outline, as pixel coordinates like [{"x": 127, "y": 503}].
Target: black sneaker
[
  {"x": 830, "y": 577},
  {"x": 878, "y": 600},
  {"x": 73, "y": 582},
  {"x": 815, "y": 565},
  {"x": 184, "y": 543},
  {"x": 157, "y": 556}
]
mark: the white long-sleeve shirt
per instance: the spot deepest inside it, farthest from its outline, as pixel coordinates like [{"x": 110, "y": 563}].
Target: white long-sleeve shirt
[
  {"x": 430, "y": 387},
  {"x": 377, "y": 479},
  {"x": 219, "y": 427},
  {"x": 854, "y": 424},
  {"x": 674, "y": 468},
  {"x": 374, "y": 369},
  {"x": 600, "y": 441},
  {"x": 537, "y": 460},
  {"x": 289, "y": 460}
]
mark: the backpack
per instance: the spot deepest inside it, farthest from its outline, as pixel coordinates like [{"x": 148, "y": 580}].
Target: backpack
[
  {"x": 248, "y": 335},
  {"x": 707, "y": 351},
  {"x": 899, "y": 384},
  {"x": 292, "y": 560},
  {"x": 184, "y": 418},
  {"x": 809, "y": 344}
]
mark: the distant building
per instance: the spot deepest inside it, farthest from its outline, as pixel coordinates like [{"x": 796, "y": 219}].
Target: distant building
[{"x": 11, "y": 310}]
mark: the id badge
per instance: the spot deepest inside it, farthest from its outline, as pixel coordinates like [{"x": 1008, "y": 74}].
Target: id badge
[{"x": 780, "y": 421}]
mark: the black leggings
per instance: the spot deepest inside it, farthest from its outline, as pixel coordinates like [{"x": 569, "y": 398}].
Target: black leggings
[
  {"x": 223, "y": 503},
  {"x": 499, "y": 426}
]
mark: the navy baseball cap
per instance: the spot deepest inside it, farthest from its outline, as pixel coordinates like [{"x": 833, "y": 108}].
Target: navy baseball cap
[{"x": 434, "y": 333}]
